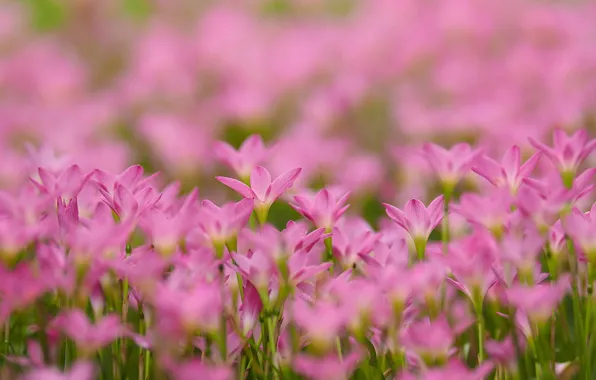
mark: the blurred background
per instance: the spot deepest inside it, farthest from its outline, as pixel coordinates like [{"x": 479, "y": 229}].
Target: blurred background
[{"x": 345, "y": 89}]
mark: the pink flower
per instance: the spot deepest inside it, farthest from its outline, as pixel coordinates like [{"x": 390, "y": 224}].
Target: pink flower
[
  {"x": 20, "y": 288},
  {"x": 522, "y": 252},
  {"x": 67, "y": 185},
  {"x": 491, "y": 211},
  {"x": 417, "y": 220},
  {"x": 510, "y": 173},
  {"x": 188, "y": 310},
  {"x": 450, "y": 165},
  {"x": 324, "y": 210},
  {"x": 351, "y": 240},
  {"x": 538, "y": 302},
  {"x": 281, "y": 245},
  {"x": 454, "y": 370},
  {"x": 257, "y": 268},
  {"x": 568, "y": 152},
  {"x": 503, "y": 352},
  {"x": 251, "y": 153},
  {"x": 430, "y": 340},
  {"x": 471, "y": 262},
  {"x": 79, "y": 371},
  {"x": 581, "y": 227},
  {"x": 329, "y": 367},
  {"x": 89, "y": 337},
  {"x": 262, "y": 189},
  {"x": 165, "y": 231},
  {"x": 320, "y": 331},
  {"x": 220, "y": 225},
  {"x": 130, "y": 206},
  {"x": 196, "y": 369}
]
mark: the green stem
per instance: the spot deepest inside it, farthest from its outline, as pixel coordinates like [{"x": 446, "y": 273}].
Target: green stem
[
  {"x": 272, "y": 340},
  {"x": 481, "y": 330},
  {"x": 7, "y": 336},
  {"x": 223, "y": 338},
  {"x": 445, "y": 235}
]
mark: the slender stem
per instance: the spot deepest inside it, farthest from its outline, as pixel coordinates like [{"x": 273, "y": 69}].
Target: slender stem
[
  {"x": 445, "y": 235},
  {"x": 7, "y": 336},
  {"x": 223, "y": 335},
  {"x": 242, "y": 367},
  {"x": 338, "y": 347},
  {"x": 481, "y": 329},
  {"x": 272, "y": 340}
]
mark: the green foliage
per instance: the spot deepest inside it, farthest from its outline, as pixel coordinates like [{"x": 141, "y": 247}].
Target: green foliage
[{"x": 47, "y": 15}]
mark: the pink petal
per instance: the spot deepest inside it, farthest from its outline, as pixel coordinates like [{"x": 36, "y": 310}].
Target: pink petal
[
  {"x": 260, "y": 181},
  {"x": 511, "y": 160},
  {"x": 125, "y": 202},
  {"x": 130, "y": 176},
  {"x": 396, "y": 215},
  {"x": 528, "y": 167},
  {"x": 70, "y": 181},
  {"x": 548, "y": 151},
  {"x": 488, "y": 168},
  {"x": 323, "y": 202},
  {"x": 237, "y": 186},
  {"x": 48, "y": 180},
  {"x": 435, "y": 210},
  {"x": 224, "y": 152},
  {"x": 253, "y": 144},
  {"x": 282, "y": 183},
  {"x": 560, "y": 138},
  {"x": 417, "y": 217}
]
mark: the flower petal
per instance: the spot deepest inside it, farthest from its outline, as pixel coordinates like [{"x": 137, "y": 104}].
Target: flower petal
[{"x": 237, "y": 186}]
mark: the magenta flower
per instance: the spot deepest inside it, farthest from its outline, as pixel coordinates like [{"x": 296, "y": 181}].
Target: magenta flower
[
  {"x": 188, "y": 310},
  {"x": 450, "y": 165},
  {"x": 20, "y": 288},
  {"x": 324, "y": 210},
  {"x": 221, "y": 225},
  {"x": 321, "y": 332},
  {"x": 79, "y": 371},
  {"x": 492, "y": 211},
  {"x": 262, "y": 189},
  {"x": 522, "y": 252},
  {"x": 132, "y": 179},
  {"x": 130, "y": 206},
  {"x": 251, "y": 153},
  {"x": 510, "y": 172},
  {"x": 568, "y": 152},
  {"x": 454, "y": 370},
  {"x": 166, "y": 231},
  {"x": 417, "y": 220},
  {"x": 196, "y": 369},
  {"x": 351, "y": 241},
  {"x": 329, "y": 367},
  {"x": 503, "y": 352},
  {"x": 256, "y": 267},
  {"x": 538, "y": 302},
  {"x": 581, "y": 227},
  {"x": 281, "y": 245},
  {"x": 471, "y": 262},
  {"x": 429, "y": 340},
  {"x": 89, "y": 337},
  {"x": 66, "y": 186}
]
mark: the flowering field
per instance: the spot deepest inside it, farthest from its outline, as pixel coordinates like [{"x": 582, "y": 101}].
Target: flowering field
[{"x": 297, "y": 189}]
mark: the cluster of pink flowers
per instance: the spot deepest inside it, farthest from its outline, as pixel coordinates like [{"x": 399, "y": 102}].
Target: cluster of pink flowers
[
  {"x": 113, "y": 275},
  {"x": 340, "y": 89},
  {"x": 388, "y": 189}
]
